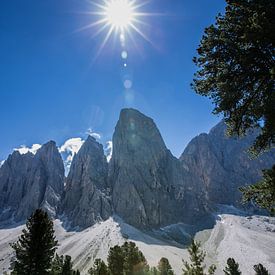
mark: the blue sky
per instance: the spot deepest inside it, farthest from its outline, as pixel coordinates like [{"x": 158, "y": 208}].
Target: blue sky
[{"x": 52, "y": 87}]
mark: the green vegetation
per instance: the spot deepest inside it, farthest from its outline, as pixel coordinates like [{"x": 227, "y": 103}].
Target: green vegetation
[
  {"x": 263, "y": 192},
  {"x": 236, "y": 70},
  {"x": 127, "y": 259},
  {"x": 36, "y": 246},
  {"x": 164, "y": 267},
  {"x": 197, "y": 265},
  {"x": 232, "y": 267},
  {"x": 35, "y": 249},
  {"x": 236, "y": 62},
  {"x": 99, "y": 268},
  {"x": 260, "y": 270}
]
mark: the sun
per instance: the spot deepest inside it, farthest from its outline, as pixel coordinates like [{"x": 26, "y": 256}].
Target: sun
[
  {"x": 121, "y": 18},
  {"x": 120, "y": 14}
]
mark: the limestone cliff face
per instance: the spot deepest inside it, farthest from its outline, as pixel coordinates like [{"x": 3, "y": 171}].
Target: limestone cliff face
[
  {"x": 28, "y": 182},
  {"x": 86, "y": 198},
  {"x": 13, "y": 178},
  {"x": 223, "y": 164},
  {"x": 149, "y": 186},
  {"x": 144, "y": 183}
]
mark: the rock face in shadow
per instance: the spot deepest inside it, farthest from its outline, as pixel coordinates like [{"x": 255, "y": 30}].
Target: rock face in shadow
[
  {"x": 28, "y": 182},
  {"x": 223, "y": 164},
  {"x": 144, "y": 183},
  {"x": 149, "y": 186},
  {"x": 86, "y": 199}
]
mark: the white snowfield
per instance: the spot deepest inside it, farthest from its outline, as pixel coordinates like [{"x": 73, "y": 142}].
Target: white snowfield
[{"x": 250, "y": 240}]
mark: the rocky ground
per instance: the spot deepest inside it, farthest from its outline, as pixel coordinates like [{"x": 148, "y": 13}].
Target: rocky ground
[{"x": 249, "y": 239}]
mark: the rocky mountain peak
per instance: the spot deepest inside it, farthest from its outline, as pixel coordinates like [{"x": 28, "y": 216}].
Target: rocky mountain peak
[
  {"x": 143, "y": 168},
  {"x": 86, "y": 199},
  {"x": 223, "y": 163},
  {"x": 133, "y": 132},
  {"x": 28, "y": 182}
]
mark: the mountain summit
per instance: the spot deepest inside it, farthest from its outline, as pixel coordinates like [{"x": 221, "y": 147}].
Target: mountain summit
[
  {"x": 149, "y": 187},
  {"x": 28, "y": 182},
  {"x": 85, "y": 200},
  {"x": 223, "y": 164},
  {"x": 144, "y": 184}
]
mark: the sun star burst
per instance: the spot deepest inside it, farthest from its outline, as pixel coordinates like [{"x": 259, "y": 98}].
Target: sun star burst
[
  {"x": 118, "y": 17},
  {"x": 119, "y": 14}
]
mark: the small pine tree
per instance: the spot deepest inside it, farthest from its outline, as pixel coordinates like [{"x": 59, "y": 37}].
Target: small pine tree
[
  {"x": 197, "y": 266},
  {"x": 134, "y": 260},
  {"x": 127, "y": 259},
  {"x": 36, "y": 246},
  {"x": 232, "y": 267},
  {"x": 154, "y": 271},
  {"x": 260, "y": 270},
  {"x": 57, "y": 265},
  {"x": 99, "y": 268},
  {"x": 67, "y": 268},
  {"x": 115, "y": 260},
  {"x": 164, "y": 267}
]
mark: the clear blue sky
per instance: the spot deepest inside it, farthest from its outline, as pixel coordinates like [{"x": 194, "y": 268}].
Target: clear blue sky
[{"x": 52, "y": 88}]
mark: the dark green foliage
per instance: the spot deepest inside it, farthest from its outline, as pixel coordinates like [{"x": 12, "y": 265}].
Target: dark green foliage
[
  {"x": 164, "y": 267},
  {"x": 57, "y": 265},
  {"x": 263, "y": 192},
  {"x": 197, "y": 266},
  {"x": 134, "y": 260},
  {"x": 153, "y": 271},
  {"x": 236, "y": 61},
  {"x": 67, "y": 268},
  {"x": 62, "y": 266},
  {"x": 99, "y": 268},
  {"x": 232, "y": 267},
  {"x": 126, "y": 259},
  {"x": 260, "y": 270},
  {"x": 115, "y": 260},
  {"x": 36, "y": 246}
]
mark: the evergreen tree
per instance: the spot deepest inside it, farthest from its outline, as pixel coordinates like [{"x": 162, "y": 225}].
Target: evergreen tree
[
  {"x": 57, "y": 265},
  {"x": 126, "y": 259},
  {"x": 236, "y": 61},
  {"x": 197, "y": 265},
  {"x": 134, "y": 260},
  {"x": 67, "y": 268},
  {"x": 164, "y": 267},
  {"x": 232, "y": 267},
  {"x": 99, "y": 268},
  {"x": 36, "y": 246},
  {"x": 263, "y": 192},
  {"x": 115, "y": 260},
  {"x": 154, "y": 271},
  {"x": 260, "y": 270}
]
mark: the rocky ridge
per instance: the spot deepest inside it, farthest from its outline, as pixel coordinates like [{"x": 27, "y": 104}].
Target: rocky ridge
[
  {"x": 143, "y": 183},
  {"x": 223, "y": 164},
  {"x": 28, "y": 182},
  {"x": 157, "y": 187},
  {"x": 86, "y": 197}
]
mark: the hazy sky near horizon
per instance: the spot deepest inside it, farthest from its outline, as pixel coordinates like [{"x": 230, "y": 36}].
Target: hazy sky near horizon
[{"x": 54, "y": 86}]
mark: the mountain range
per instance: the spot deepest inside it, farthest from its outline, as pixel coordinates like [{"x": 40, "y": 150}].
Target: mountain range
[{"x": 144, "y": 184}]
